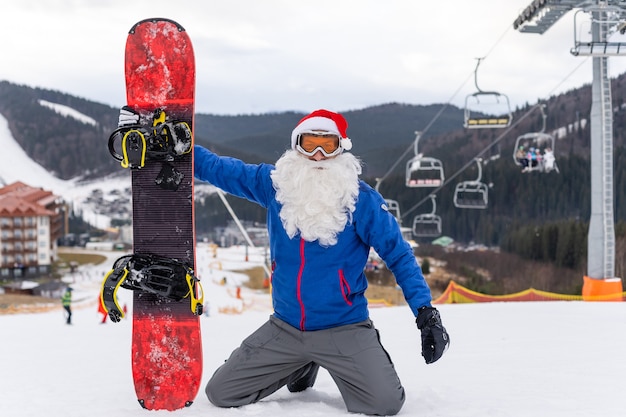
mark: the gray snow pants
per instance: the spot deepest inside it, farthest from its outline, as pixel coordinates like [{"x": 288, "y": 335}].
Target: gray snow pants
[{"x": 278, "y": 354}]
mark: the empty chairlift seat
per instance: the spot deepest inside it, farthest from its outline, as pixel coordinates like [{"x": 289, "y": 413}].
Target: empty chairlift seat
[
  {"x": 427, "y": 224},
  {"x": 472, "y": 194},
  {"x": 487, "y": 110}
]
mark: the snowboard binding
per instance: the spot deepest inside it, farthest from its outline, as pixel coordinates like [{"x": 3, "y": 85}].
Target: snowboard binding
[
  {"x": 165, "y": 277},
  {"x": 164, "y": 140}
]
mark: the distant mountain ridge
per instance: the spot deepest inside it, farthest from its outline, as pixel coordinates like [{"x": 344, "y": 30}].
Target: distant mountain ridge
[
  {"x": 382, "y": 134},
  {"x": 70, "y": 148}
]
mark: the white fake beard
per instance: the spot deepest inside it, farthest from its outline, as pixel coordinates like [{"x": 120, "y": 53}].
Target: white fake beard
[{"x": 318, "y": 197}]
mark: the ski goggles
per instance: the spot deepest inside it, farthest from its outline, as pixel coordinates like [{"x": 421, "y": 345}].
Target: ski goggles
[{"x": 309, "y": 143}]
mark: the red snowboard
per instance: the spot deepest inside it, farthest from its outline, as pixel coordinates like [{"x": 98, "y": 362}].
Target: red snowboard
[{"x": 166, "y": 345}]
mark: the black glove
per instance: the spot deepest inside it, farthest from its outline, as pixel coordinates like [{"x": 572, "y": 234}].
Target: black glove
[
  {"x": 435, "y": 339},
  {"x": 128, "y": 117}
]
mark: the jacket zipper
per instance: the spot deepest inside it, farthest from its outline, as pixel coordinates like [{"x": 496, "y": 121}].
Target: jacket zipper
[
  {"x": 299, "y": 286},
  {"x": 345, "y": 287}
]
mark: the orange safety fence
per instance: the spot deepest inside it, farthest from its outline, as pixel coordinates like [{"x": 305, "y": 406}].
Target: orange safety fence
[
  {"x": 378, "y": 302},
  {"x": 25, "y": 308},
  {"x": 456, "y": 293}
]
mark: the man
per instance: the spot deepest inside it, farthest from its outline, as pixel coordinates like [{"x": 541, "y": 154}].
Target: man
[
  {"x": 322, "y": 221},
  {"x": 549, "y": 160},
  {"x": 66, "y": 301}
]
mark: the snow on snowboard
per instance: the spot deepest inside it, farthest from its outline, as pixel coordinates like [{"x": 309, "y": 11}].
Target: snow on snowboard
[{"x": 167, "y": 297}]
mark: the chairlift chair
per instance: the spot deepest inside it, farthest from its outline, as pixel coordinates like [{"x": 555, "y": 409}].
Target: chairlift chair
[
  {"x": 427, "y": 224},
  {"x": 541, "y": 144},
  {"x": 472, "y": 194},
  {"x": 486, "y": 109},
  {"x": 424, "y": 171}
]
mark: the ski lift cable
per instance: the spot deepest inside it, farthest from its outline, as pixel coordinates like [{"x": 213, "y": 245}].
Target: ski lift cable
[{"x": 552, "y": 92}]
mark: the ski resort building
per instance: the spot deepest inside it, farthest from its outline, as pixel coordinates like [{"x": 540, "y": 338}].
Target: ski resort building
[{"x": 31, "y": 221}]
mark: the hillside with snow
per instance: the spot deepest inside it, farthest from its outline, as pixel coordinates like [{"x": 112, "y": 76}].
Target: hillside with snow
[
  {"x": 20, "y": 167},
  {"x": 63, "y": 138},
  {"x": 524, "y": 359},
  {"x": 556, "y": 359},
  {"x": 112, "y": 190}
]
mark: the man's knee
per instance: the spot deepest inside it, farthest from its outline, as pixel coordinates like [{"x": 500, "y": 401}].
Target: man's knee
[
  {"x": 225, "y": 390},
  {"x": 394, "y": 405},
  {"x": 218, "y": 392},
  {"x": 215, "y": 394},
  {"x": 385, "y": 402},
  {"x": 380, "y": 400}
]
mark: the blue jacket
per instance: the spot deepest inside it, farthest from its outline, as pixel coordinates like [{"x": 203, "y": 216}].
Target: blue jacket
[{"x": 316, "y": 287}]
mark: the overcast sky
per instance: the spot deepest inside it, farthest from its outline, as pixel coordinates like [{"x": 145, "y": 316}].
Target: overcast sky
[{"x": 275, "y": 55}]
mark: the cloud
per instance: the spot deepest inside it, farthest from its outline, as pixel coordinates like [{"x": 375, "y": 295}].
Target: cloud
[{"x": 279, "y": 55}]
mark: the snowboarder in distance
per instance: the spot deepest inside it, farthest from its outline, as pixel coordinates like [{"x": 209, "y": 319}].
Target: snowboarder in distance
[
  {"x": 66, "y": 301},
  {"x": 322, "y": 220}
]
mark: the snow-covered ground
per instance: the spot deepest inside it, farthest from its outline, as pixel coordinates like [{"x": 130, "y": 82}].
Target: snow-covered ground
[{"x": 556, "y": 359}]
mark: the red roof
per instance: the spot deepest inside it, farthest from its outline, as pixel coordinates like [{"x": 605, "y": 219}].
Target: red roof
[{"x": 19, "y": 199}]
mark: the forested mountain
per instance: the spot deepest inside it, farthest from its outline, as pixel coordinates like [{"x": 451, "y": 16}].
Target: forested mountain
[
  {"x": 70, "y": 148},
  {"x": 381, "y": 135}
]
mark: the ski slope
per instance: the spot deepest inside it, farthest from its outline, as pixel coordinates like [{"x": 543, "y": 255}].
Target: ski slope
[
  {"x": 556, "y": 359},
  {"x": 542, "y": 359}
]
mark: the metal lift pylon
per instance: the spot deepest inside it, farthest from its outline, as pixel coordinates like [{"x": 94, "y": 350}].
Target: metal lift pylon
[{"x": 600, "y": 283}]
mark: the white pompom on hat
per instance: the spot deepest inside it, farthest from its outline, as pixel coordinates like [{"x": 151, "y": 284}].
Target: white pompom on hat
[{"x": 326, "y": 121}]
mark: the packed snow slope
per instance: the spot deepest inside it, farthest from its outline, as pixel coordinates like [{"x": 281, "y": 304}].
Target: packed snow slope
[
  {"x": 556, "y": 359},
  {"x": 533, "y": 359}
]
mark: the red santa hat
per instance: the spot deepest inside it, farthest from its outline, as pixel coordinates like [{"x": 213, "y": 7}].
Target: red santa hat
[{"x": 326, "y": 121}]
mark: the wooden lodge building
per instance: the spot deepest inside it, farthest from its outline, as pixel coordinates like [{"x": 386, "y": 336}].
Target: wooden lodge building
[{"x": 31, "y": 221}]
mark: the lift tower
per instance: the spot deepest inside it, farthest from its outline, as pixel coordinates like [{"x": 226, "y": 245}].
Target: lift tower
[{"x": 606, "y": 18}]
